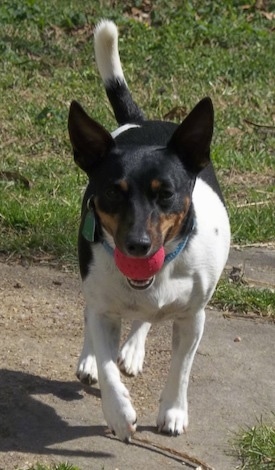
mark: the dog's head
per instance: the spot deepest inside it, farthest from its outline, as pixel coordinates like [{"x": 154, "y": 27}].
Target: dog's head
[{"x": 142, "y": 187}]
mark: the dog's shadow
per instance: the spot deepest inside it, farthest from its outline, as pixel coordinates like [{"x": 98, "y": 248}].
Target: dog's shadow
[{"x": 29, "y": 425}]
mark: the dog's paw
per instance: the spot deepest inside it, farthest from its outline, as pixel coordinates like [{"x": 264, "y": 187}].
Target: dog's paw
[
  {"x": 118, "y": 412},
  {"x": 131, "y": 357},
  {"x": 87, "y": 370},
  {"x": 172, "y": 420}
]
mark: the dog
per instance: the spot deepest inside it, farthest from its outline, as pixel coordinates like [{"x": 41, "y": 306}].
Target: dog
[{"x": 151, "y": 186}]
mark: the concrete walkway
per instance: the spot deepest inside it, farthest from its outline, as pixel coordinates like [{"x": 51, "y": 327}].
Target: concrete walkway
[{"x": 46, "y": 415}]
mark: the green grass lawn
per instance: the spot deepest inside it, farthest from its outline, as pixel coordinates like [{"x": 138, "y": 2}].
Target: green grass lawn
[{"x": 180, "y": 52}]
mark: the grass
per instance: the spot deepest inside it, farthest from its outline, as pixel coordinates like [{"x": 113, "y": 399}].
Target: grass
[
  {"x": 255, "y": 447},
  {"x": 242, "y": 299},
  {"x": 181, "y": 51},
  {"x": 61, "y": 466}
]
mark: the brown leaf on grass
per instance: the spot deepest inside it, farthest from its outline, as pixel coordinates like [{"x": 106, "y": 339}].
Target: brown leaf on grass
[
  {"x": 245, "y": 7},
  {"x": 141, "y": 13},
  {"x": 262, "y": 7},
  {"x": 269, "y": 15},
  {"x": 16, "y": 177},
  {"x": 177, "y": 113},
  {"x": 261, "y": 4},
  {"x": 233, "y": 131}
]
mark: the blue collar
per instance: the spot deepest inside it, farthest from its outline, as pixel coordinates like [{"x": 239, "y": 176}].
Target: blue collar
[
  {"x": 88, "y": 232},
  {"x": 180, "y": 247}
]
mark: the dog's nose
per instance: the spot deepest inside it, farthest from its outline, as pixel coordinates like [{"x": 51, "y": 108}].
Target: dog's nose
[{"x": 138, "y": 246}]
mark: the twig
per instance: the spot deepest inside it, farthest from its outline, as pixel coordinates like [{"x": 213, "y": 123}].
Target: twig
[
  {"x": 260, "y": 126},
  {"x": 186, "y": 458},
  {"x": 182, "y": 455},
  {"x": 249, "y": 316},
  {"x": 254, "y": 245},
  {"x": 250, "y": 204},
  {"x": 15, "y": 176}
]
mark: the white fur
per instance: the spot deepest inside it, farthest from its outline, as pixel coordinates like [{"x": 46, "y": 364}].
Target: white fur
[
  {"x": 116, "y": 404},
  {"x": 180, "y": 292},
  {"x": 87, "y": 366},
  {"x": 122, "y": 129},
  {"x": 106, "y": 51}
]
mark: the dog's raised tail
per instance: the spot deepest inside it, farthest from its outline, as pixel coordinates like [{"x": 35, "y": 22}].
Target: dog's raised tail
[{"x": 109, "y": 66}]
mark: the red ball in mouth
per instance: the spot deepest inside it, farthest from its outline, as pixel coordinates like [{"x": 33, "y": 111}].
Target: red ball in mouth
[{"x": 139, "y": 269}]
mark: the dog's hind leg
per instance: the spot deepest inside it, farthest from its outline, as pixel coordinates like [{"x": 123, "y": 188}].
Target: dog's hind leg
[
  {"x": 173, "y": 411},
  {"x": 87, "y": 367},
  {"x": 131, "y": 356}
]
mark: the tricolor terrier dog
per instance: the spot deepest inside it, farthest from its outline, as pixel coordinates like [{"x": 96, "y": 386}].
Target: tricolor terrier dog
[{"x": 153, "y": 240}]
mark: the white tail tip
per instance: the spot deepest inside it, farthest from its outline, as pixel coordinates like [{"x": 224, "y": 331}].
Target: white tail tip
[{"x": 106, "y": 51}]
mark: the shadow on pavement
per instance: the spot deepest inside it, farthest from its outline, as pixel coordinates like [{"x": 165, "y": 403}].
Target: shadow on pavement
[{"x": 28, "y": 425}]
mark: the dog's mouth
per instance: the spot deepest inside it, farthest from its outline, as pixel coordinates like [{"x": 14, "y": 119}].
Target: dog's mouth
[{"x": 141, "y": 284}]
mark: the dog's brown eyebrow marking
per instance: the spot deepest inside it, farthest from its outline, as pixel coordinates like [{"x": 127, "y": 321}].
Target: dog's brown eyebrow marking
[
  {"x": 155, "y": 184},
  {"x": 123, "y": 184}
]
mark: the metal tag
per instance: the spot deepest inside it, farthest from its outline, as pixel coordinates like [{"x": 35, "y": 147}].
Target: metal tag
[{"x": 88, "y": 229}]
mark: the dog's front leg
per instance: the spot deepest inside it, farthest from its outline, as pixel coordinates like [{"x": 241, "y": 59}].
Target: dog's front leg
[
  {"x": 116, "y": 404},
  {"x": 173, "y": 411}
]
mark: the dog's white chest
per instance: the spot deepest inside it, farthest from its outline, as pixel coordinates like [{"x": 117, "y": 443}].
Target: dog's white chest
[{"x": 166, "y": 298}]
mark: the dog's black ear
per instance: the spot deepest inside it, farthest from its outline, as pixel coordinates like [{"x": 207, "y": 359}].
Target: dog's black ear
[
  {"x": 191, "y": 141},
  {"x": 89, "y": 139}
]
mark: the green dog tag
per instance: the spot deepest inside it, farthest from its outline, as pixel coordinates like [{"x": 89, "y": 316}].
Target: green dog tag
[{"x": 88, "y": 230}]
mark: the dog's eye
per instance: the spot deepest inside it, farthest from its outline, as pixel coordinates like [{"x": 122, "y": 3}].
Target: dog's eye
[
  {"x": 165, "y": 195},
  {"x": 113, "y": 193}
]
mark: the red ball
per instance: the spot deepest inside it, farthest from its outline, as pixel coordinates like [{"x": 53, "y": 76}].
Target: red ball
[{"x": 139, "y": 269}]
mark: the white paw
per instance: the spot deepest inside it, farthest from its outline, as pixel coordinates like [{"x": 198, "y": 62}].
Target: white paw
[
  {"x": 118, "y": 412},
  {"x": 87, "y": 369},
  {"x": 172, "y": 420},
  {"x": 131, "y": 357}
]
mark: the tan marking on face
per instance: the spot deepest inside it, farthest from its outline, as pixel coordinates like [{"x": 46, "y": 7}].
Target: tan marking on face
[
  {"x": 108, "y": 221},
  {"x": 155, "y": 185},
  {"x": 168, "y": 226},
  {"x": 154, "y": 234},
  {"x": 123, "y": 184}
]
